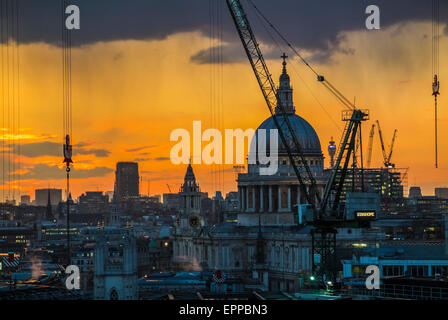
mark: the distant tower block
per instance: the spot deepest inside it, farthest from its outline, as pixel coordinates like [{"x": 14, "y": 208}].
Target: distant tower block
[
  {"x": 415, "y": 192},
  {"x": 126, "y": 181},
  {"x": 332, "y": 152}
]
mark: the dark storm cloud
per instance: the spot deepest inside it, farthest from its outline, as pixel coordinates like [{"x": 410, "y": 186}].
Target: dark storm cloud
[
  {"x": 8, "y": 167},
  {"x": 53, "y": 149},
  {"x": 100, "y": 153},
  {"x": 45, "y": 172},
  {"x": 309, "y": 24},
  {"x": 39, "y": 149},
  {"x": 231, "y": 53}
]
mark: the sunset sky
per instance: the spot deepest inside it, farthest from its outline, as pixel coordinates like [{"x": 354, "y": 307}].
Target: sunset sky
[{"x": 140, "y": 69}]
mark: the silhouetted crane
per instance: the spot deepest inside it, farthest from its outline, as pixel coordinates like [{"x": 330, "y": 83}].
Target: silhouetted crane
[
  {"x": 325, "y": 221},
  {"x": 387, "y": 156},
  {"x": 369, "y": 148}
]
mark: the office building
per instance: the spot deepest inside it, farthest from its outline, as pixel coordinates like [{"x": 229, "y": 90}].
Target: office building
[
  {"x": 126, "y": 181},
  {"x": 41, "y": 196}
]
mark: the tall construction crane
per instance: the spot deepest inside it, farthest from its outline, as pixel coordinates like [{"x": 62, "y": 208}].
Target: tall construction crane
[
  {"x": 324, "y": 221},
  {"x": 369, "y": 148},
  {"x": 269, "y": 92},
  {"x": 387, "y": 156}
]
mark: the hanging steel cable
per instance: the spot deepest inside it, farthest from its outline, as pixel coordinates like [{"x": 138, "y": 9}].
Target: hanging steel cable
[
  {"x": 339, "y": 96},
  {"x": 8, "y": 98},
  {"x": 2, "y": 42},
  {"x": 221, "y": 81},
  {"x": 67, "y": 112},
  {"x": 435, "y": 68},
  {"x": 281, "y": 49},
  {"x": 10, "y": 88},
  {"x": 216, "y": 83},
  {"x": 211, "y": 61},
  {"x": 18, "y": 168},
  {"x": 15, "y": 96}
]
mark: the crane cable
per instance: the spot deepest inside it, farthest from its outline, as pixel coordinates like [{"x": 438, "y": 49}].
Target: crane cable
[
  {"x": 212, "y": 78},
  {"x": 216, "y": 83},
  {"x": 435, "y": 68},
  {"x": 10, "y": 88},
  {"x": 67, "y": 111},
  {"x": 280, "y": 48},
  {"x": 320, "y": 78},
  {"x": 2, "y": 41},
  {"x": 221, "y": 80},
  {"x": 16, "y": 93}
]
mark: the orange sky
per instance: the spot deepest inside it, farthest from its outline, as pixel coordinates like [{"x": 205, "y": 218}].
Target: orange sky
[{"x": 132, "y": 94}]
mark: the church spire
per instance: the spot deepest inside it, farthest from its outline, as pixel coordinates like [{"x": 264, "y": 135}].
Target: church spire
[
  {"x": 49, "y": 213},
  {"x": 190, "y": 180},
  {"x": 284, "y": 56},
  {"x": 284, "y": 91}
]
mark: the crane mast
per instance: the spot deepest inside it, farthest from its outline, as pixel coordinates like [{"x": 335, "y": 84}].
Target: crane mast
[
  {"x": 389, "y": 157},
  {"x": 369, "y": 149},
  {"x": 383, "y": 149},
  {"x": 335, "y": 184}
]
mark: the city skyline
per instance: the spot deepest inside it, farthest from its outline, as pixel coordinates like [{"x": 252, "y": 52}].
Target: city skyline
[
  {"x": 139, "y": 160},
  {"x": 117, "y": 79}
]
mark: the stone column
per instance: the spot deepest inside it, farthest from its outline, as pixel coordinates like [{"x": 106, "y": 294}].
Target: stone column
[
  {"x": 240, "y": 195},
  {"x": 270, "y": 199},
  {"x": 247, "y": 198},
  {"x": 279, "y": 192},
  {"x": 253, "y": 198},
  {"x": 242, "y": 199},
  {"x": 289, "y": 198}
]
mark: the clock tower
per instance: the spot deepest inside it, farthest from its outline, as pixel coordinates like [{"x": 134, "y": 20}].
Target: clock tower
[{"x": 190, "y": 217}]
